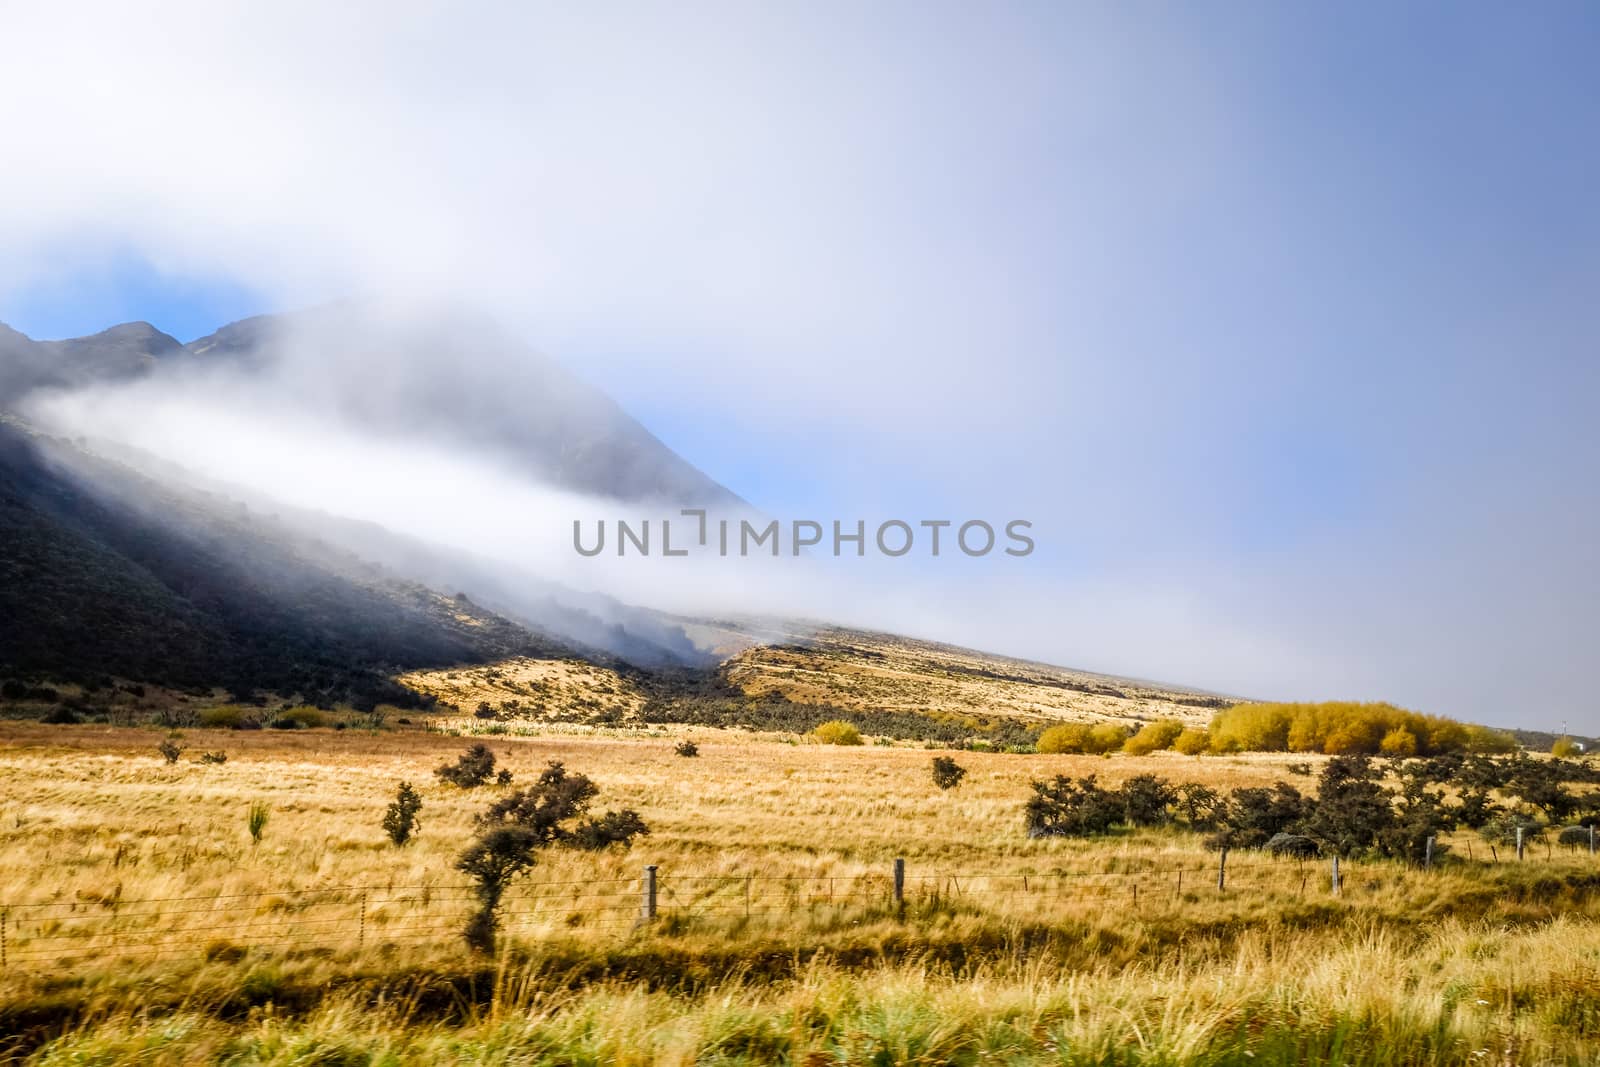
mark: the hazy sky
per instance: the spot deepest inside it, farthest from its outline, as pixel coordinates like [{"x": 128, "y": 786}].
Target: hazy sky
[{"x": 1279, "y": 321}]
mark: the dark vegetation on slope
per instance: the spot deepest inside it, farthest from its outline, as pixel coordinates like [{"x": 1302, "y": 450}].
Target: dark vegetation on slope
[{"x": 104, "y": 573}]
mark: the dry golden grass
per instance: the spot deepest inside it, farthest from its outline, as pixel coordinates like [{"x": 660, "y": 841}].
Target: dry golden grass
[
  {"x": 1099, "y": 949},
  {"x": 522, "y": 687},
  {"x": 857, "y": 670}
]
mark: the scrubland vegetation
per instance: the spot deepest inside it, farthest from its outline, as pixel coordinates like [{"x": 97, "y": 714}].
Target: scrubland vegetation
[{"x": 1115, "y": 947}]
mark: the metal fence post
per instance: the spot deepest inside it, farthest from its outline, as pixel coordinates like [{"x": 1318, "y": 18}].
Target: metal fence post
[
  {"x": 647, "y": 905},
  {"x": 1335, "y": 874},
  {"x": 900, "y": 886},
  {"x": 1591, "y": 839},
  {"x": 5, "y": 922},
  {"x": 361, "y": 937},
  {"x": 1519, "y": 844}
]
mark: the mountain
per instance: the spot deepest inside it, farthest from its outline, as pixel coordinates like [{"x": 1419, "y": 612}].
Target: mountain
[
  {"x": 450, "y": 377},
  {"x": 120, "y": 353},
  {"x": 106, "y": 573}
]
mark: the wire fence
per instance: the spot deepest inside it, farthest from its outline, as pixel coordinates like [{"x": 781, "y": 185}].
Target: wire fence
[{"x": 72, "y": 932}]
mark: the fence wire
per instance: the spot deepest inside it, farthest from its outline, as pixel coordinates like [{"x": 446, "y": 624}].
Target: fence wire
[{"x": 68, "y": 932}]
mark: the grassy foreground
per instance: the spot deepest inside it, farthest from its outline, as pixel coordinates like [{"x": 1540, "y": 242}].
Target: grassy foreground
[{"x": 1470, "y": 964}]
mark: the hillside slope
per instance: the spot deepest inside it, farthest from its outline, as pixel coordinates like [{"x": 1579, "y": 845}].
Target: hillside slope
[{"x": 103, "y": 572}]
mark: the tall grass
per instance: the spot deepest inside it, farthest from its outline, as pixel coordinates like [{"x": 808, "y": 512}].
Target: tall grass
[{"x": 1453, "y": 993}]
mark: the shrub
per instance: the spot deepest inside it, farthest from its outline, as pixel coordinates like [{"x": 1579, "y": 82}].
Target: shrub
[
  {"x": 1064, "y": 737},
  {"x": 1146, "y": 800},
  {"x": 226, "y": 717},
  {"x": 1565, "y": 748},
  {"x": 256, "y": 820},
  {"x": 1352, "y": 811},
  {"x": 213, "y": 757},
  {"x": 1192, "y": 742},
  {"x": 1064, "y": 808},
  {"x": 516, "y": 827},
  {"x": 1335, "y": 727},
  {"x": 1203, "y": 807},
  {"x": 13, "y": 690},
  {"x": 837, "y": 732},
  {"x": 400, "y": 820},
  {"x": 62, "y": 716},
  {"x": 170, "y": 750},
  {"x": 1483, "y": 740},
  {"x": 687, "y": 749},
  {"x": 1574, "y": 837},
  {"x": 1399, "y": 742},
  {"x": 947, "y": 773},
  {"x": 1107, "y": 737},
  {"x": 471, "y": 769},
  {"x": 1503, "y": 829},
  {"x": 1254, "y": 816},
  {"x": 484, "y": 711},
  {"x": 1155, "y": 736},
  {"x": 303, "y": 717}
]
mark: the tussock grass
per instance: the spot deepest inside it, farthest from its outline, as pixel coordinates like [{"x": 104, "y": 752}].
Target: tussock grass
[{"x": 1462, "y": 965}]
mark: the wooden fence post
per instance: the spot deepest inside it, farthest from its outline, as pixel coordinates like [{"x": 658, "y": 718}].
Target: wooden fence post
[
  {"x": 1591, "y": 839},
  {"x": 1222, "y": 869},
  {"x": 1519, "y": 844},
  {"x": 900, "y": 887},
  {"x": 1335, "y": 874},
  {"x": 1427, "y": 854},
  {"x": 647, "y": 905}
]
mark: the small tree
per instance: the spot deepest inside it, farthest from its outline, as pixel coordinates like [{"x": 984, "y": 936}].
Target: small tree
[
  {"x": 516, "y": 827},
  {"x": 471, "y": 769},
  {"x": 947, "y": 773},
  {"x": 1352, "y": 811},
  {"x": 170, "y": 749},
  {"x": 400, "y": 820}
]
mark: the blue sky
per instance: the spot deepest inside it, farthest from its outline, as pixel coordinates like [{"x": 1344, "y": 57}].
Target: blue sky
[{"x": 1279, "y": 321}]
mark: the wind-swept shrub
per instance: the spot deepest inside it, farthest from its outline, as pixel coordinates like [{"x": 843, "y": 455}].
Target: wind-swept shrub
[
  {"x": 1065, "y": 808},
  {"x": 1201, "y": 806},
  {"x": 470, "y": 770},
  {"x": 1253, "y": 816},
  {"x": 400, "y": 819},
  {"x": 1192, "y": 742},
  {"x": 213, "y": 758},
  {"x": 1352, "y": 811},
  {"x": 517, "y": 827},
  {"x": 1146, "y": 800},
  {"x": 947, "y": 773},
  {"x": 170, "y": 749},
  {"x": 686, "y": 749}
]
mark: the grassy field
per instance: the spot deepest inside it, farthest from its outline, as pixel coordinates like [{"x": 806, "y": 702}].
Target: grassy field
[{"x": 145, "y": 926}]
